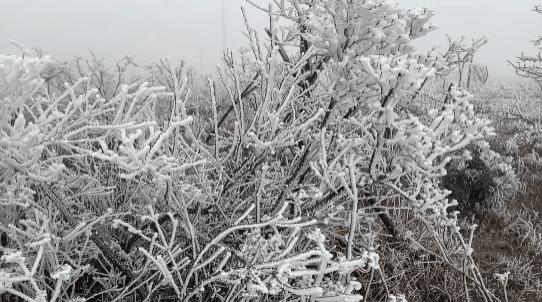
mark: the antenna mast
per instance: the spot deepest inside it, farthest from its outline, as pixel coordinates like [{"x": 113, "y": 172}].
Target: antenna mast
[{"x": 223, "y": 25}]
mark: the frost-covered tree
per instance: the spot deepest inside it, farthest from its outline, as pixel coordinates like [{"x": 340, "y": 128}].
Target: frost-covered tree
[
  {"x": 305, "y": 161},
  {"x": 325, "y": 98},
  {"x": 530, "y": 66}
]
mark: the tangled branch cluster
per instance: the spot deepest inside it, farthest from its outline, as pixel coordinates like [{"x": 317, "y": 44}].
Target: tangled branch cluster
[{"x": 273, "y": 191}]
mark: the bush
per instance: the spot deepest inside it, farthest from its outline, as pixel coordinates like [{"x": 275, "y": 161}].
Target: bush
[
  {"x": 486, "y": 180},
  {"x": 127, "y": 196}
]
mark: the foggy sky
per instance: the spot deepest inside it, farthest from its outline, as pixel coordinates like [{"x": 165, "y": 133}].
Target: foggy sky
[{"x": 192, "y": 29}]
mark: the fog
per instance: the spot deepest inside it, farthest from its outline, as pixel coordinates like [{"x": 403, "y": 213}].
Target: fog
[{"x": 198, "y": 30}]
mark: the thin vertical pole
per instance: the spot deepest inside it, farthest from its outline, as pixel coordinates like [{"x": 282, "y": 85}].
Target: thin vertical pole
[{"x": 223, "y": 24}]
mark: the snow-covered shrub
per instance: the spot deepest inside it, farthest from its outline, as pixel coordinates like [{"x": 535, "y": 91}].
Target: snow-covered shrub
[
  {"x": 516, "y": 112},
  {"x": 68, "y": 144},
  {"x": 331, "y": 104},
  {"x": 300, "y": 170}
]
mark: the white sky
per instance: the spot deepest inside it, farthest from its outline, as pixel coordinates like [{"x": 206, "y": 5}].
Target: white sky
[{"x": 192, "y": 29}]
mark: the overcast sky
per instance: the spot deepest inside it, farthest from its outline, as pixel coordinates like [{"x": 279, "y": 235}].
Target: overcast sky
[{"x": 192, "y": 29}]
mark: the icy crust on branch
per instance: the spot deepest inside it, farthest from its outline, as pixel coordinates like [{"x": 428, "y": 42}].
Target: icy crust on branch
[
  {"x": 360, "y": 51},
  {"x": 39, "y": 133},
  {"x": 364, "y": 27},
  {"x": 279, "y": 257},
  {"x": 412, "y": 157},
  {"x": 277, "y": 269},
  {"x": 23, "y": 269},
  {"x": 344, "y": 93},
  {"x": 20, "y": 87},
  {"x": 418, "y": 152},
  {"x": 277, "y": 273}
]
